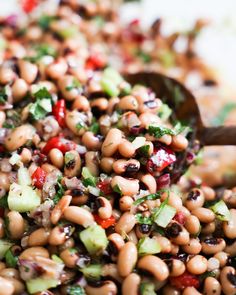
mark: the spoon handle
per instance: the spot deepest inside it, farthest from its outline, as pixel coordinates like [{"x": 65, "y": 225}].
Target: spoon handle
[{"x": 219, "y": 135}]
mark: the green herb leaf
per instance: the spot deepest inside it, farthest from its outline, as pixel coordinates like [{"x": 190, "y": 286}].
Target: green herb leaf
[
  {"x": 144, "y": 150},
  {"x": 45, "y": 21},
  {"x": 3, "y": 96},
  {"x": 43, "y": 105},
  {"x": 80, "y": 125},
  {"x": 76, "y": 84},
  {"x": 41, "y": 51},
  {"x": 145, "y": 57},
  {"x": 43, "y": 93},
  {"x": 60, "y": 190},
  {"x": 117, "y": 189},
  {"x": 94, "y": 128},
  {"x": 3, "y": 202},
  {"x": 221, "y": 211},
  {"x": 159, "y": 131},
  {"x": 11, "y": 260},
  {"x": 164, "y": 112},
  {"x": 76, "y": 290},
  {"x": 143, "y": 219},
  {"x": 223, "y": 114},
  {"x": 207, "y": 274},
  {"x": 88, "y": 178},
  {"x": 180, "y": 128},
  {"x": 149, "y": 197}
]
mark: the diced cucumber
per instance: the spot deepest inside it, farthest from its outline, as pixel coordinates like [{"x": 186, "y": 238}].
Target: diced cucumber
[
  {"x": 41, "y": 284},
  {"x": 46, "y": 104},
  {"x": 109, "y": 87},
  {"x": 113, "y": 75},
  {"x": 92, "y": 272},
  {"x": 147, "y": 288},
  {"x": 164, "y": 215},
  {"x": 148, "y": 246},
  {"x": 88, "y": 177},
  {"x": 4, "y": 246},
  {"x": 23, "y": 176},
  {"x": 22, "y": 198},
  {"x": 221, "y": 211},
  {"x": 94, "y": 239}
]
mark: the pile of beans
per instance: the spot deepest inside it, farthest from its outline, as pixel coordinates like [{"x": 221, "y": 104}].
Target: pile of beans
[{"x": 82, "y": 151}]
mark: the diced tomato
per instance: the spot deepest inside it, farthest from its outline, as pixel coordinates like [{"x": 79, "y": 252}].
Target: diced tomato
[
  {"x": 29, "y": 5},
  {"x": 38, "y": 177},
  {"x": 105, "y": 187},
  {"x": 59, "y": 111},
  {"x": 161, "y": 158},
  {"x": 180, "y": 217},
  {"x": 104, "y": 223},
  {"x": 184, "y": 281},
  {"x": 64, "y": 145},
  {"x": 95, "y": 61}
]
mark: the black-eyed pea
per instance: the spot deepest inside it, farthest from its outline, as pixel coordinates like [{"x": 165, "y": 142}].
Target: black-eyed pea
[
  {"x": 125, "y": 203},
  {"x": 91, "y": 162},
  {"x": 26, "y": 155},
  {"x": 197, "y": 264},
  {"x": 19, "y": 287},
  {"x": 100, "y": 103},
  {"x": 78, "y": 215},
  {"x": 106, "y": 287},
  {"x": 91, "y": 141},
  {"x": 2, "y": 118},
  {"x": 69, "y": 243},
  {"x": 104, "y": 124},
  {"x": 126, "y": 186},
  {"x": 213, "y": 264},
  {"x": 227, "y": 280},
  {"x": 230, "y": 249},
  {"x": 131, "y": 284},
  {"x": 112, "y": 104},
  {"x": 194, "y": 199},
  {"x": 177, "y": 234},
  {"x": 166, "y": 139},
  {"x": 19, "y": 90},
  {"x": 191, "y": 291},
  {"x": 57, "y": 69},
  {"x": 150, "y": 182},
  {"x": 104, "y": 208},
  {"x": 66, "y": 85},
  {"x": 111, "y": 142},
  {"x": 212, "y": 245},
  {"x": 7, "y": 287},
  {"x": 222, "y": 257},
  {"x": 32, "y": 252},
  {"x": 126, "y": 149},
  {"x": 211, "y": 286},
  {"x": 124, "y": 166},
  {"x": 151, "y": 147},
  {"x": 179, "y": 142},
  {"x": 49, "y": 168},
  {"x": 164, "y": 243},
  {"x": 19, "y": 136},
  {"x": 176, "y": 267},
  {"x": 10, "y": 273},
  {"x": 149, "y": 119},
  {"x": 193, "y": 247},
  {"x": 56, "y": 157},
  {"x": 4, "y": 181},
  {"x": 185, "y": 211},
  {"x": 132, "y": 237},
  {"x": 174, "y": 249},
  {"x": 28, "y": 71},
  {"x": 192, "y": 225},
  {"x": 169, "y": 290},
  {"x": 125, "y": 224},
  {"x": 106, "y": 164},
  {"x": 59, "y": 209},
  {"x": 154, "y": 265},
  {"x": 39, "y": 237},
  {"x": 72, "y": 165},
  {"x": 127, "y": 259},
  {"x": 128, "y": 103},
  {"x": 174, "y": 200},
  {"x": 229, "y": 197},
  {"x": 69, "y": 257},
  {"x": 142, "y": 230},
  {"x": 6, "y": 75},
  {"x": 57, "y": 236},
  {"x": 205, "y": 215},
  {"x": 208, "y": 228},
  {"x": 208, "y": 192},
  {"x": 75, "y": 122},
  {"x": 16, "y": 225},
  {"x": 229, "y": 227},
  {"x": 116, "y": 241},
  {"x": 81, "y": 103}
]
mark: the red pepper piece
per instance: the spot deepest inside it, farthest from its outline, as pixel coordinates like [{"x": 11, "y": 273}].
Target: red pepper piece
[
  {"x": 60, "y": 143},
  {"x": 95, "y": 62},
  {"x": 38, "y": 177},
  {"x": 180, "y": 217},
  {"x": 59, "y": 112},
  {"x": 105, "y": 187},
  {"x": 104, "y": 223},
  {"x": 28, "y": 5},
  {"x": 184, "y": 281},
  {"x": 161, "y": 158}
]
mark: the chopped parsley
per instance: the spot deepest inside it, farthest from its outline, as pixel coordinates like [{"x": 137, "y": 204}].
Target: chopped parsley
[
  {"x": 60, "y": 190},
  {"x": 117, "y": 189},
  {"x": 143, "y": 219},
  {"x": 88, "y": 178},
  {"x": 145, "y": 57},
  {"x": 159, "y": 131},
  {"x": 11, "y": 259},
  {"x": 164, "y": 112},
  {"x": 3, "y": 202},
  {"x": 45, "y": 21},
  {"x": 149, "y": 197},
  {"x": 41, "y": 51},
  {"x": 94, "y": 127},
  {"x": 3, "y": 96},
  {"x": 80, "y": 125},
  {"x": 144, "y": 150},
  {"x": 42, "y": 106}
]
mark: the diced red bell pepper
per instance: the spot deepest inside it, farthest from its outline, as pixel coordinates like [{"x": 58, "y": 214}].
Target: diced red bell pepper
[
  {"x": 105, "y": 187},
  {"x": 95, "y": 61},
  {"x": 180, "y": 217},
  {"x": 39, "y": 177},
  {"x": 104, "y": 223},
  {"x": 161, "y": 158},
  {"x": 29, "y": 5},
  {"x": 60, "y": 143},
  {"x": 184, "y": 281},
  {"x": 59, "y": 112}
]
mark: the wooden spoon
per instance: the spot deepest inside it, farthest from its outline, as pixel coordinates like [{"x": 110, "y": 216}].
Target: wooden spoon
[{"x": 185, "y": 109}]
